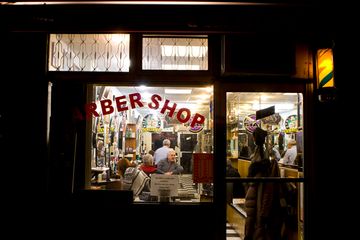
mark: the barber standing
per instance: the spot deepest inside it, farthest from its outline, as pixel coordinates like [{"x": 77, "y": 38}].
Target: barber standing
[{"x": 162, "y": 153}]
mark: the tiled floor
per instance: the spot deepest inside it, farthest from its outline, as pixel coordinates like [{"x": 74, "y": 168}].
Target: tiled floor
[
  {"x": 187, "y": 186},
  {"x": 231, "y": 234}
]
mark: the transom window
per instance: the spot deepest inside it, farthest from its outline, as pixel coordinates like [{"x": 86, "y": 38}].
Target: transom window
[
  {"x": 175, "y": 53},
  {"x": 89, "y": 52}
]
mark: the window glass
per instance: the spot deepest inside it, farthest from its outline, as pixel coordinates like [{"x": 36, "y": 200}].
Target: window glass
[
  {"x": 175, "y": 53},
  {"x": 279, "y": 115},
  {"x": 265, "y": 143},
  {"x": 89, "y": 52},
  {"x": 129, "y": 123}
]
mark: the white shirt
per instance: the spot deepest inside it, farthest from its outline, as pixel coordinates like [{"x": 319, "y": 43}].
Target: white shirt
[
  {"x": 290, "y": 155},
  {"x": 160, "y": 154},
  {"x": 276, "y": 153}
]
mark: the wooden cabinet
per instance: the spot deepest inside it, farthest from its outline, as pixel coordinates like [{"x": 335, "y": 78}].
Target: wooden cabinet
[{"x": 130, "y": 140}]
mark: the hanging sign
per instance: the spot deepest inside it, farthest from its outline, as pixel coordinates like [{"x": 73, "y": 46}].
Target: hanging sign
[
  {"x": 262, "y": 113},
  {"x": 250, "y": 123},
  {"x": 272, "y": 119},
  {"x": 164, "y": 185}
]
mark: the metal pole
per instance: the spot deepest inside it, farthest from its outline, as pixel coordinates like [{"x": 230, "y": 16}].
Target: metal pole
[{"x": 74, "y": 161}]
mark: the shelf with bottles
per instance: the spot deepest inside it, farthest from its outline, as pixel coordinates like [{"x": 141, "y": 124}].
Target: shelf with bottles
[
  {"x": 130, "y": 131},
  {"x": 130, "y": 139}
]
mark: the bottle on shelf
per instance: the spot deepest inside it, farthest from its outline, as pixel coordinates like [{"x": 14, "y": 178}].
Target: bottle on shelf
[{"x": 130, "y": 132}]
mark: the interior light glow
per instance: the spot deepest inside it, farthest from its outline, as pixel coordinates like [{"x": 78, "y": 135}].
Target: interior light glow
[
  {"x": 278, "y": 106},
  {"x": 183, "y": 51},
  {"x": 180, "y": 67},
  {"x": 177, "y": 91},
  {"x": 209, "y": 89},
  {"x": 325, "y": 68},
  {"x": 203, "y": 96}
]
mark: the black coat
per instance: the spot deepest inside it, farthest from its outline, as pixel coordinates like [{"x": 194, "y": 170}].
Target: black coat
[{"x": 238, "y": 188}]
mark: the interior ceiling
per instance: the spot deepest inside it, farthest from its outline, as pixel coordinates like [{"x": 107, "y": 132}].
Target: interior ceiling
[
  {"x": 246, "y": 103},
  {"x": 268, "y": 98},
  {"x": 199, "y": 98}
]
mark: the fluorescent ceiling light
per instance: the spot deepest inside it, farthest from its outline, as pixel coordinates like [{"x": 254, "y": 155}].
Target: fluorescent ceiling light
[{"x": 177, "y": 91}]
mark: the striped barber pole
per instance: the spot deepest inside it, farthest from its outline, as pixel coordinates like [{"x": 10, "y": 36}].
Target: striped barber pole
[{"x": 325, "y": 68}]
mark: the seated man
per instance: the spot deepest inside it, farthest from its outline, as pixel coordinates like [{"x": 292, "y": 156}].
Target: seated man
[
  {"x": 169, "y": 166},
  {"x": 290, "y": 154}
]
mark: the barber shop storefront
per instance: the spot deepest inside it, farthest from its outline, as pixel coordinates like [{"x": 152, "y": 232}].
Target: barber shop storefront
[
  {"x": 120, "y": 90},
  {"x": 125, "y": 121}
]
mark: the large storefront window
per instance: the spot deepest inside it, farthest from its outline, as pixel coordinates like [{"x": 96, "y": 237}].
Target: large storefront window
[
  {"x": 272, "y": 155},
  {"x": 155, "y": 141}
]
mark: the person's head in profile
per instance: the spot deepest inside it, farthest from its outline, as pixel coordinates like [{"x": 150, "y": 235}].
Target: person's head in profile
[
  {"x": 259, "y": 136},
  {"x": 169, "y": 165},
  {"x": 148, "y": 160},
  {"x": 166, "y": 142},
  {"x": 171, "y": 156}
]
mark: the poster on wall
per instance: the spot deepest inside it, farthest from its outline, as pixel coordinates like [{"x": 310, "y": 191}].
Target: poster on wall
[
  {"x": 291, "y": 124},
  {"x": 158, "y": 138},
  {"x": 151, "y": 123},
  {"x": 203, "y": 167}
]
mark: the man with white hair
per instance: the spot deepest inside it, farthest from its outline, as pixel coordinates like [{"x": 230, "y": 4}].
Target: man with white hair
[
  {"x": 169, "y": 166},
  {"x": 161, "y": 153},
  {"x": 291, "y": 152}
]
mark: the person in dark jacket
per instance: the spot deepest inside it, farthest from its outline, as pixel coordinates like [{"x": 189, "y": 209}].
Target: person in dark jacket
[
  {"x": 169, "y": 166},
  {"x": 262, "y": 200},
  {"x": 238, "y": 188}
]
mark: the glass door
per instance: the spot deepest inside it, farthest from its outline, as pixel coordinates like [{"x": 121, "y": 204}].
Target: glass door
[{"x": 264, "y": 163}]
